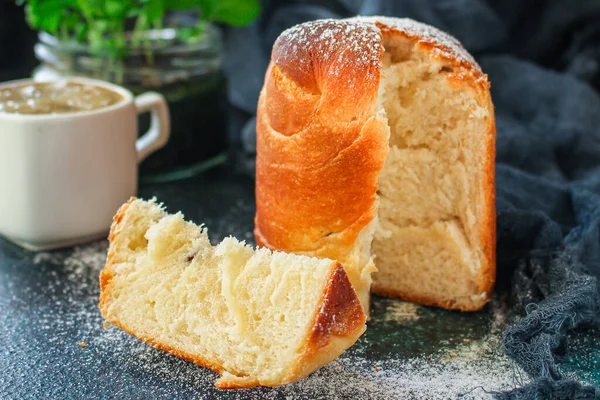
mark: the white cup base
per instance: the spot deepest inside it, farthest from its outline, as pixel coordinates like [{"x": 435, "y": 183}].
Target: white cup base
[{"x": 45, "y": 246}]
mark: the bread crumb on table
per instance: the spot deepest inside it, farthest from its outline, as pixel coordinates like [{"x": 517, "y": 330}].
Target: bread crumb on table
[
  {"x": 81, "y": 344},
  {"x": 466, "y": 341},
  {"x": 105, "y": 324}
]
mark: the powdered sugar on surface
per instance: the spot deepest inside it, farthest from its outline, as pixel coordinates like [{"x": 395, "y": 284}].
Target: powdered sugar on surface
[
  {"x": 401, "y": 310},
  {"x": 469, "y": 370},
  {"x": 462, "y": 370},
  {"x": 407, "y": 351},
  {"x": 74, "y": 286},
  {"x": 81, "y": 264},
  {"x": 426, "y": 378}
]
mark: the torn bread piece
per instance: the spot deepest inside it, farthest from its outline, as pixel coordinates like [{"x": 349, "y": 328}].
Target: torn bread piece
[{"x": 256, "y": 317}]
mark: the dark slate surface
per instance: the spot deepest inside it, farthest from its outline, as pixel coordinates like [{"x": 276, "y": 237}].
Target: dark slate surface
[{"x": 48, "y": 304}]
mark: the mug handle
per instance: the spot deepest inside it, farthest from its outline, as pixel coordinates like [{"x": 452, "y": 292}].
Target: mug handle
[{"x": 160, "y": 126}]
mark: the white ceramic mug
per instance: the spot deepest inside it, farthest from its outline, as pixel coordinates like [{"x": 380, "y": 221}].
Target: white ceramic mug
[{"x": 63, "y": 176}]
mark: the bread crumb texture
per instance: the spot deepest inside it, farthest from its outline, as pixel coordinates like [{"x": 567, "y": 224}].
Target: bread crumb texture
[
  {"x": 428, "y": 241},
  {"x": 375, "y": 141},
  {"x": 248, "y": 314}
]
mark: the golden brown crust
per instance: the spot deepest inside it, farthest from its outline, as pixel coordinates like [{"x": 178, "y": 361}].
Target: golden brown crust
[
  {"x": 320, "y": 147},
  {"x": 341, "y": 314},
  {"x": 338, "y": 323},
  {"x": 319, "y": 155},
  {"x": 313, "y": 132}
]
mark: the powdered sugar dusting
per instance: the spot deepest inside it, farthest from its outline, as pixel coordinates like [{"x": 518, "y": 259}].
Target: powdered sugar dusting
[
  {"x": 466, "y": 368},
  {"x": 342, "y": 45},
  {"x": 471, "y": 370},
  {"x": 352, "y": 48},
  {"x": 446, "y": 45},
  {"x": 83, "y": 263},
  {"x": 76, "y": 284},
  {"x": 426, "y": 378},
  {"x": 401, "y": 310}
]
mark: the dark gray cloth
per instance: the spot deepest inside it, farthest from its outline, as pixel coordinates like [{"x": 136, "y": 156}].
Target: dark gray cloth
[{"x": 543, "y": 60}]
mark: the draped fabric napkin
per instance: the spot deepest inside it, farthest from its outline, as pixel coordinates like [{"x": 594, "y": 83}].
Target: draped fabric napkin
[{"x": 543, "y": 61}]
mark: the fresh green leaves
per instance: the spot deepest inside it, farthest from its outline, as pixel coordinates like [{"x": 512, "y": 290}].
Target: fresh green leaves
[
  {"x": 116, "y": 8},
  {"x": 232, "y": 12},
  {"x": 101, "y": 23},
  {"x": 154, "y": 10},
  {"x": 48, "y": 15}
]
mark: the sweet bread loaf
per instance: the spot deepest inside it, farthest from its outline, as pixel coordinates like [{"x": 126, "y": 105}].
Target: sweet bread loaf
[
  {"x": 256, "y": 317},
  {"x": 375, "y": 147}
]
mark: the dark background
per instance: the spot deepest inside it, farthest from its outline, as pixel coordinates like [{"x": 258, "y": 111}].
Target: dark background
[
  {"x": 543, "y": 62},
  {"x": 16, "y": 43}
]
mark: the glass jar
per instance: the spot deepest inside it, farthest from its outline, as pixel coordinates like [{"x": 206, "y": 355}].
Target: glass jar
[{"x": 187, "y": 72}]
